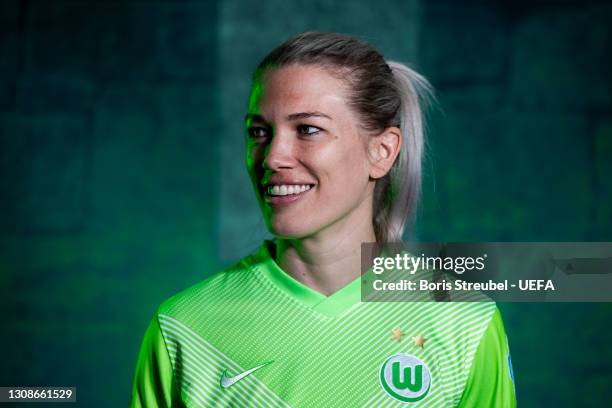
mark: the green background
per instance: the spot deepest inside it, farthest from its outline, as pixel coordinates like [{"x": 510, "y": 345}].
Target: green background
[{"x": 122, "y": 174}]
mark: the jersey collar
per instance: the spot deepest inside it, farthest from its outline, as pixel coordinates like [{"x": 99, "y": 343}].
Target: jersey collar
[{"x": 331, "y": 306}]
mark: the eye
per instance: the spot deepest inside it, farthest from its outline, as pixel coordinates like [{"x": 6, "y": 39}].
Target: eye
[
  {"x": 308, "y": 129},
  {"x": 257, "y": 132}
]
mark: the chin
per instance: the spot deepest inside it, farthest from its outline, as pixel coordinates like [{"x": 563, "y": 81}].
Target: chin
[{"x": 289, "y": 230}]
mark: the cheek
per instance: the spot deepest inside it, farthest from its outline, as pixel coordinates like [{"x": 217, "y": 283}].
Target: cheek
[{"x": 345, "y": 170}]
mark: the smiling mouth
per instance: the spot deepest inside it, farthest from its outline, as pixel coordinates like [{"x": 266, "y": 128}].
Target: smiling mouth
[
  {"x": 284, "y": 194},
  {"x": 281, "y": 190}
]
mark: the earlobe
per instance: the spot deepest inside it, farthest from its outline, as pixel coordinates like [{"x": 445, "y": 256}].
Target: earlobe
[{"x": 383, "y": 150}]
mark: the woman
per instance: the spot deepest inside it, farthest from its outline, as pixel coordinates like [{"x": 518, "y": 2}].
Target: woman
[{"x": 334, "y": 144}]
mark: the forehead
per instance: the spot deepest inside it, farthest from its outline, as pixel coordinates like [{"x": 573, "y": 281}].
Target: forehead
[{"x": 297, "y": 87}]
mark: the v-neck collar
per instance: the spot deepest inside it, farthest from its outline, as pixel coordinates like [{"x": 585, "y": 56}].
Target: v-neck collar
[{"x": 331, "y": 306}]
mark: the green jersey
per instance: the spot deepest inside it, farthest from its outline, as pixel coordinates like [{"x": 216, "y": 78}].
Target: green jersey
[{"x": 252, "y": 336}]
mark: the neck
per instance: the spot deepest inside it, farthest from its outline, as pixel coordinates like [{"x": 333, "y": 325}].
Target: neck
[{"x": 330, "y": 259}]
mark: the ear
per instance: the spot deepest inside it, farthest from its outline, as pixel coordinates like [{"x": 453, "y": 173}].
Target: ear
[{"x": 383, "y": 150}]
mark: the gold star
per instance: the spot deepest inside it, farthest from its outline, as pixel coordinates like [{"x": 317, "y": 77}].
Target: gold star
[
  {"x": 397, "y": 334},
  {"x": 419, "y": 341}
]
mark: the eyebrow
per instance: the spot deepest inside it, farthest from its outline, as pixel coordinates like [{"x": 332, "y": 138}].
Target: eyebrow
[{"x": 292, "y": 116}]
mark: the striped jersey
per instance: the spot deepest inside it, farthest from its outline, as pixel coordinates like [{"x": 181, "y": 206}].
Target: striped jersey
[{"x": 252, "y": 336}]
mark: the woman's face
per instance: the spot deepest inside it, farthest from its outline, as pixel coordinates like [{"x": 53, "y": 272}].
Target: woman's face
[{"x": 306, "y": 155}]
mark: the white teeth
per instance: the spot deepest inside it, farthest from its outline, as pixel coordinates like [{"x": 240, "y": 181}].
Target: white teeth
[{"x": 287, "y": 189}]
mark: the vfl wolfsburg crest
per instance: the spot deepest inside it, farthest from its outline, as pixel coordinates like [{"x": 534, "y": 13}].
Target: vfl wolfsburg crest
[{"x": 405, "y": 378}]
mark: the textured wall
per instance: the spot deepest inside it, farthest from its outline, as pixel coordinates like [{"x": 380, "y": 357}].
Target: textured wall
[
  {"x": 121, "y": 164},
  {"x": 522, "y": 151},
  {"x": 108, "y": 166}
]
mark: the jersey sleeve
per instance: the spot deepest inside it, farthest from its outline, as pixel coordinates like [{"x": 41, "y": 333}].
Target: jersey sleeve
[
  {"x": 491, "y": 380},
  {"x": 153, "y": 384}
]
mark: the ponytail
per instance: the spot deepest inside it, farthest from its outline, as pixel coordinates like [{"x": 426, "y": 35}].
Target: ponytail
[{"x": 398, "y": 196}]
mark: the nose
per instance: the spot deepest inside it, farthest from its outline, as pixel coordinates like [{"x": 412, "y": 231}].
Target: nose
[{"x": 279, "y": 153}]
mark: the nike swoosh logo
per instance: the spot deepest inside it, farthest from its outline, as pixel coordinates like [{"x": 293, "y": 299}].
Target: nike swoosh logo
[{"x": 227, "y": 382}]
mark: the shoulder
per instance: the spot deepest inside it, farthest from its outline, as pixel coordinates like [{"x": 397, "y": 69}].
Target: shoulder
[
  {"x": 474, "y": 315},
  {"x": 221, "y": 287},
  {"x": 469, "y": 318}
]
